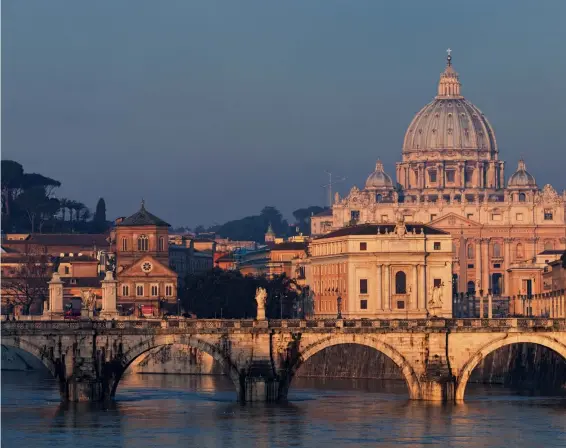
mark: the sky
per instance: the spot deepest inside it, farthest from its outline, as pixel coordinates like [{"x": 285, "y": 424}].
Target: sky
[{"x": 210, "y": 110}]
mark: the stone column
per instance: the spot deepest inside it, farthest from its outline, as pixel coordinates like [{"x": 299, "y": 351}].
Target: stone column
[
  {"x": 489, "y": 306},
  {"x": 386, "y": 288},
  {"x": 379, "y": 288},
  {"x": 478, "y": 265},
  {"x": 421, "y": 292},
  {"x": 462, "y": 167},
  {"x": 501, "y": 175},
  {"x": 485, "y": 264},
  {"x": 109, "y": 293},
  {"x": 56, "y": 296},
  {"x": 415, "y": 282},
  {"x": 440, "y": 174},
  {"x": 506, "y": 263}
]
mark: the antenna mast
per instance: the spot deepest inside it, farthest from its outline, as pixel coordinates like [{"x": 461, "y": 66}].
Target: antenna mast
[{"x": 329, "y": 186}]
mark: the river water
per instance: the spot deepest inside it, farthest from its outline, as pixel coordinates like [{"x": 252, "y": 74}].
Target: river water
[{"x": 200, "y": 411}]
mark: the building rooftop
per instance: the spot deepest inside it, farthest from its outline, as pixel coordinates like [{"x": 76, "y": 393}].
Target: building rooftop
[
  {"x": 371, "y": 229},
  {"x": 143, "y": 218},
  {"x": 290, "y": 245}
]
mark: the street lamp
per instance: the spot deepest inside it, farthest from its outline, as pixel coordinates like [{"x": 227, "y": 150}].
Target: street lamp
[{"x": 339, "y": 307}]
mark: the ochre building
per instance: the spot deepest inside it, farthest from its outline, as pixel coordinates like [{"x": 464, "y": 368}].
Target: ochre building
[{"x": 451, "y": 177}]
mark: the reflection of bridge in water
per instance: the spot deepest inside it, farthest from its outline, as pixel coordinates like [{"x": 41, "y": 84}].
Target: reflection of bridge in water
[{"x": 435, "y": 356}]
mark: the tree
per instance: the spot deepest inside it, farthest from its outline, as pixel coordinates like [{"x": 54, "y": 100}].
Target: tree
[
  {"x": 99, "y": 221},
  {"x": 27, "y": 284},
  {"x": 12, "y": 175},
  {"x": 303, "y": 215},
  {"x": 37, "y": 206}
]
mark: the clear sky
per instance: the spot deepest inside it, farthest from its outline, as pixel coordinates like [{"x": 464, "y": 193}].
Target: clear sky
[{"x": 212, "y": 109}]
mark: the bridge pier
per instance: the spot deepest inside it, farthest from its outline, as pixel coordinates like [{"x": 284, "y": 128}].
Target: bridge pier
[{"x": 443, "y": 391}]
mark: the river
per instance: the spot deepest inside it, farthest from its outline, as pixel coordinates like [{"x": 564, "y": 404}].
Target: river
[{"x": 200, "y": 411}]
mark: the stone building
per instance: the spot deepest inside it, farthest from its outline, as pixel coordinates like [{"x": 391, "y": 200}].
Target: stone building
[
  {"x": 382, "y": 270},
  {"x": 451, "y": 177},
  {"x": 142, "y": 262}
]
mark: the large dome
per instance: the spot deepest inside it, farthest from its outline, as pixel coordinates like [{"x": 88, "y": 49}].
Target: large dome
[{"x": 450, "y": 122}]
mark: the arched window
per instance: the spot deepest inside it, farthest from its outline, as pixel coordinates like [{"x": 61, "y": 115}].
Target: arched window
[
  {"x": 143, "y": 243},
  {"x": 125, "y": 290},
  {"x": 378, "y": 198},
  {"x": 522, "y": 197},
  {"x": 124, "y": 243},
  {"x": 548, "y": 245},
  {"x": 400, "y": 283},
  {"x": 470, "y": 251},
  {"x": 471, "y": 287},
  {"x": 519, "y": 251},
  {"x": 496, "y": 250},
  {"x": 161, "y": 244}
]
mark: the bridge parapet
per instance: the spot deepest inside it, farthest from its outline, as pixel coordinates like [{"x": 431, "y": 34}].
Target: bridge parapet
[{"x": 248, "y": 325}]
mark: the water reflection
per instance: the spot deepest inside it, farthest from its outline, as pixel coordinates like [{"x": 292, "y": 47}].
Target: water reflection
[{"x": 183, "y": 410}]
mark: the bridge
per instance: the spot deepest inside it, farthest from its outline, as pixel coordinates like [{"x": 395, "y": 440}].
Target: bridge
[{"x": 436, "y": 356}]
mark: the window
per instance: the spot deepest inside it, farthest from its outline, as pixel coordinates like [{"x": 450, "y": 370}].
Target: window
[
  {"x": 363, "y": 246},
  {"x": 154, "y": 290},
  {"x": 161, "y": 244},
  {"x": 400, "y": 283},
  {"x": 124, "y": 243},
  {"x": 67, "y": 270},
  {"x": 73, "y": 281},
  {"x": 522, "y": 197},
  {"x": 363, "y": 286},
  {"x": 470, "y": 215},
  {"x": 496, "y": 216},
  {"x": 125, "y": 290},
  {"x": 470, "y": 251},
  {"x": 378, "y": 198},
  {"x": 436, "y": 245},
  {"x": 143, "y": 243},
  {"x": 519, "y": 216},
  {"x": 168, "y": 290},
  {"x": 468, "y": 175},
  {"x": 139, "y": 290},
  {"x": 432, "y": 175},
  {"x": 432, "y": 216},
  {"x": 519, "y": 251},
  {"x": 496, "y": 265},
  {"x": 548, "y": 215},
  {"x": 363, "y": 304},
  {"x": 437, "y": 282},
  {"x": 450, "y": 176},
  {"x": 355, "y": 215},
  {"x": 400, "y": 304},
  {"x": 470, "y": 266},
  {"x": 496, "y": 250}
]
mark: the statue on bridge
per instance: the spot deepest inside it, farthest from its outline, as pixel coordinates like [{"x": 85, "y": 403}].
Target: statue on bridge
[
  {"x": 88, "y": 298},
  {"x": 260, "y": 298},
  {"x": 435, "y": 303}
]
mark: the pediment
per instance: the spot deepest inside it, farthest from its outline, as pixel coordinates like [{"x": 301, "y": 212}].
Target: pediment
[
  {"x": 452, "y": 220},
  {"x": 147, "y": 267}
]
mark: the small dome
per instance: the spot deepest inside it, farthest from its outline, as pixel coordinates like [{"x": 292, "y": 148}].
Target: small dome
[
  {"x": 379, "y": 178},
  {"x": 521, "y": 177}
]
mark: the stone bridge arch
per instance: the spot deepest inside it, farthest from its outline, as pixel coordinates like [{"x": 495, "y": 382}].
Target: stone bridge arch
[
  {"x": 118, "y": 366},
  {"x": 509, "y": 339},
  {"x": 41, "y": 353},
  {"x": 405, "y": 367}
]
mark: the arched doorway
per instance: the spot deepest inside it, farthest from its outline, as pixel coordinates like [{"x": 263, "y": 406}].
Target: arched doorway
[
  {"x": 463, "y": 378},
  {"x": 496, "y": 283}
]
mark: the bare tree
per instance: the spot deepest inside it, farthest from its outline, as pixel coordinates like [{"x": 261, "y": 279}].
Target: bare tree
[{"x": 27, "y": 284}]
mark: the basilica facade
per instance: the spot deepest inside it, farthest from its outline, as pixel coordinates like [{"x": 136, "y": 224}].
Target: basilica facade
[{"x": 504, "y": 231}]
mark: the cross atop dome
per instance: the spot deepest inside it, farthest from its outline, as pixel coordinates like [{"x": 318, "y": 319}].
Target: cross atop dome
[{"x": 449, "y": 57}]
